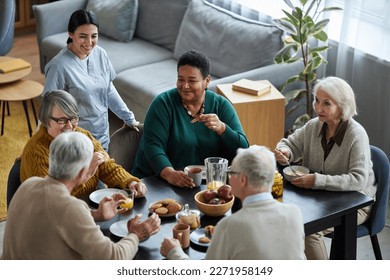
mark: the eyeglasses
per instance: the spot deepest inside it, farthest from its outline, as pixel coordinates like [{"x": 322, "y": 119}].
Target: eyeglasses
[
  {"x": 230, "y": 172},
  {"x": 63, "y": 121}
]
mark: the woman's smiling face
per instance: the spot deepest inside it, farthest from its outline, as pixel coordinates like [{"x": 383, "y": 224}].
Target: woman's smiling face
[
  {"x": 84, "y": 40},
  {"x": 190, "y": 83}
]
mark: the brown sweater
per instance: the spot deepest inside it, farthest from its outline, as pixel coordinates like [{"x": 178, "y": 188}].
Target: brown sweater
[{"x": 35, "y": 162}]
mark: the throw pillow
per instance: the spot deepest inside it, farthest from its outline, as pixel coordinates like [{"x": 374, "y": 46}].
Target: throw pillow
[
  {"x": 232, "y": 42},
  {"x": 117, "y": 18}
]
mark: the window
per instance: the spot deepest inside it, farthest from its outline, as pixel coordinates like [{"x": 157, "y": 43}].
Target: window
[{"x": 363, "y": 24}]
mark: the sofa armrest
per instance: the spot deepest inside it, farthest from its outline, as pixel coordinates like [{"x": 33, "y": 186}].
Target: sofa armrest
[
  {"x": 52, "y": 18},
  {"x": 277, "y": 74}
]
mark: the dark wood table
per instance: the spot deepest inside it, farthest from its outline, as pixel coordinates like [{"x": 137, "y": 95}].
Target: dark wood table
[{"x": 320, "y": 210}]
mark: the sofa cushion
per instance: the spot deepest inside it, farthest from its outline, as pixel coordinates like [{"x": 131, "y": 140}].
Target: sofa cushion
[
  {"x": 232, "y": 42},
  {"x": 117, "y": 18},
  {"x": 122, "y": 55},
  {"x": 159, "y": 21}
]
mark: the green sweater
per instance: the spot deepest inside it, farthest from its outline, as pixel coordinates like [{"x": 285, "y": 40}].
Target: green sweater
[{"x": 170, "y": 139}]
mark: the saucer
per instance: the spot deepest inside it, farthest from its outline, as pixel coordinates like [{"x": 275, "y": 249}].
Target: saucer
[{"x": 196, "y": 234}]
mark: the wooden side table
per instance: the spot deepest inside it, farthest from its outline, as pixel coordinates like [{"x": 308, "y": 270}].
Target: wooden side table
[
  {"x": 262, "y": 117},
  {"x": 21, "y": 90}
]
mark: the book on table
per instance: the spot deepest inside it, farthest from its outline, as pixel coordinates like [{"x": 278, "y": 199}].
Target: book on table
[
  {"x": 252, "y": 87},
  {"x": 13, "y": 65}
]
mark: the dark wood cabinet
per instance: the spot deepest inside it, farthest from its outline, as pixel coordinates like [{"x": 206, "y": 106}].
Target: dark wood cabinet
[{"x": 24, "y": 16}]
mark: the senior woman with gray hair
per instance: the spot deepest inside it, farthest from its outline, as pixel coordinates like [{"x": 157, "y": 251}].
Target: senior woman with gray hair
[
  {"x": 263, "y": 229},
  {"x": 59, "y": 113},
  {"x": 46, "y": 222},
  {"x": 335, "y": 148}
]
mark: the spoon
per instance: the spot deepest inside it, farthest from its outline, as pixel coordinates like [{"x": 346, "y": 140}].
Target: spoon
[{"x": 286, "y": 160}]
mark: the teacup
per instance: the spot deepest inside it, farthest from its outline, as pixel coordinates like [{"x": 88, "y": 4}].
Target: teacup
[
  {"x": 196, "y": 174},
  {"x": 182, "y": 233}
]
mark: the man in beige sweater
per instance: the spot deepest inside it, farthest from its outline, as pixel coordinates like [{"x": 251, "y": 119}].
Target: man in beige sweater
[
  {"x": 46, "y": 222},
  {"x": 263, "y": 229}
]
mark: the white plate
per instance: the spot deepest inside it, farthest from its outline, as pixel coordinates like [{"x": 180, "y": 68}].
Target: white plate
[
  {"x": 193, "y": 166},
  {"x": 196, "y": 234},
  {"x": 119, "y": 228},
  {"x": 98, "y": 195}
]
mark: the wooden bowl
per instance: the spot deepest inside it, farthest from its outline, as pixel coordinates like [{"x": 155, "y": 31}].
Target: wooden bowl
[{"x": 213, "y": 210}]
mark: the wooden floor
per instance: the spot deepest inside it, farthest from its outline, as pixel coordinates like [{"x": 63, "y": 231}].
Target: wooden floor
[{"x": 25, "y": 47}]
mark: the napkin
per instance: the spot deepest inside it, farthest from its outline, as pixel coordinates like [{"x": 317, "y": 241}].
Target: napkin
[{"x": 13, "y": 65}]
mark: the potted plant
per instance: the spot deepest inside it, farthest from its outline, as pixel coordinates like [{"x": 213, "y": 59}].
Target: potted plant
[{"x": 304, "y": 26}]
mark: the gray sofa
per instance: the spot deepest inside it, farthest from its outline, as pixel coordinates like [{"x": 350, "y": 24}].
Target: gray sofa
[{"x": 240, "y": 42}]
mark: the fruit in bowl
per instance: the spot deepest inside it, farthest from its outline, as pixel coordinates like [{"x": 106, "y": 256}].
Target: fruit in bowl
[
  {"x": 289, "y": 175},
  {"x": 216, "y": 209}
]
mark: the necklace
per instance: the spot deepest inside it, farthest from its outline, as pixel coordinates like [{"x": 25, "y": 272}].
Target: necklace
[{"x": 201, "y": 110}]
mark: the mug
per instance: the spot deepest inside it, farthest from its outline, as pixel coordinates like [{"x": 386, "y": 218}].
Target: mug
[
  {"x": 216, "y": 168},
  {"x": 196, "y": 174},
  {"x": 182, "y": 233}
]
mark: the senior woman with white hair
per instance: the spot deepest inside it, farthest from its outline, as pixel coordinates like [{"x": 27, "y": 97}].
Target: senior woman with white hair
[
  {"x": 46, "y": 222},
  {"x": 335, "y": 148}
]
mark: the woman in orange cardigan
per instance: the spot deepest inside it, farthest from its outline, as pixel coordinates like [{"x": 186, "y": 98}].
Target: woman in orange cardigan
[{"x": 59, "y": 113}]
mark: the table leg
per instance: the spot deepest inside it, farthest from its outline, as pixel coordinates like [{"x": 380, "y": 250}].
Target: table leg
[
  {"x": 27, "y": 117},
  {"x": 345, "y": 238},
  {"x": 35, "y": 114},
  {"x": 7, "y": 107},
  {"x": 2, "y": 117}
]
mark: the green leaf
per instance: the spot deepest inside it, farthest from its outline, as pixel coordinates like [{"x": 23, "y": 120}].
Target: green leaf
[
  {"x": 318, "y": 49},
  {"x": 302, "y": 94},
  {"x": 327, "y": 9},
  {"x": 291, "y": 19},
  {"x": 319, "y": 26},
  {"x": 288, "y": 3},
  {"x": 292, "y": 95},
  {"x": 297, "y": 12},
  {"x": 286, "y": 53},
  {"x": 316, "y": 62},
  {"x": 285, "y": 26},
  {"x": 303, "y": 2},
  {"x": 310, "y": 7},
  {"x": 293, "y": 59},
  {"x": 292, "y": 79},
  {"x": 322, "y": 36},
  {"x": 292, "y": 109},
  {"x": 301, "y": 121}
]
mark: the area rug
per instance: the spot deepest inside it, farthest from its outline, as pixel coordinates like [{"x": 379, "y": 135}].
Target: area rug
[{"x": 11, "y": 145}]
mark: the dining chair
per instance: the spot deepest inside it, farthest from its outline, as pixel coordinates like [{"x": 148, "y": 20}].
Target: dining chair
[
  {"x": 7, "y": 22},
  {"x": 124, "y": 144},
  {"x": 13, "y": 180},
  {"x": 377, "y": 220}
]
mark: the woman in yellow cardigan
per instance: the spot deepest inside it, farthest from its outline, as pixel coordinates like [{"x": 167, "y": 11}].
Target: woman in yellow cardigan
[{"x": 59, "y": 113}]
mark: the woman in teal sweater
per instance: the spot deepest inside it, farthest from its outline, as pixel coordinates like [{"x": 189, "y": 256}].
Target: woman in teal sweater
[{"x": 187, "y": 124}]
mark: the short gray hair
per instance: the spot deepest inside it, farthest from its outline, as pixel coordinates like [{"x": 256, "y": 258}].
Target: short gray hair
[
  {"x": 258, "y": 164},
  {"x": 341, "y": 92},
  {"x": 60, "y": 98},
  {"x": 70, "y": 152}
]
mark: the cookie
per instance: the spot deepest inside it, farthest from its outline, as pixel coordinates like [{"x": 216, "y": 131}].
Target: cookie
[
  {"x": 156, "y": 205},
  {"x": 161, "y": 211},
  {"x": 167, "y": 201},
  {"x": 173, "y": 207},
  {"x": 204, "y": 239}
]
